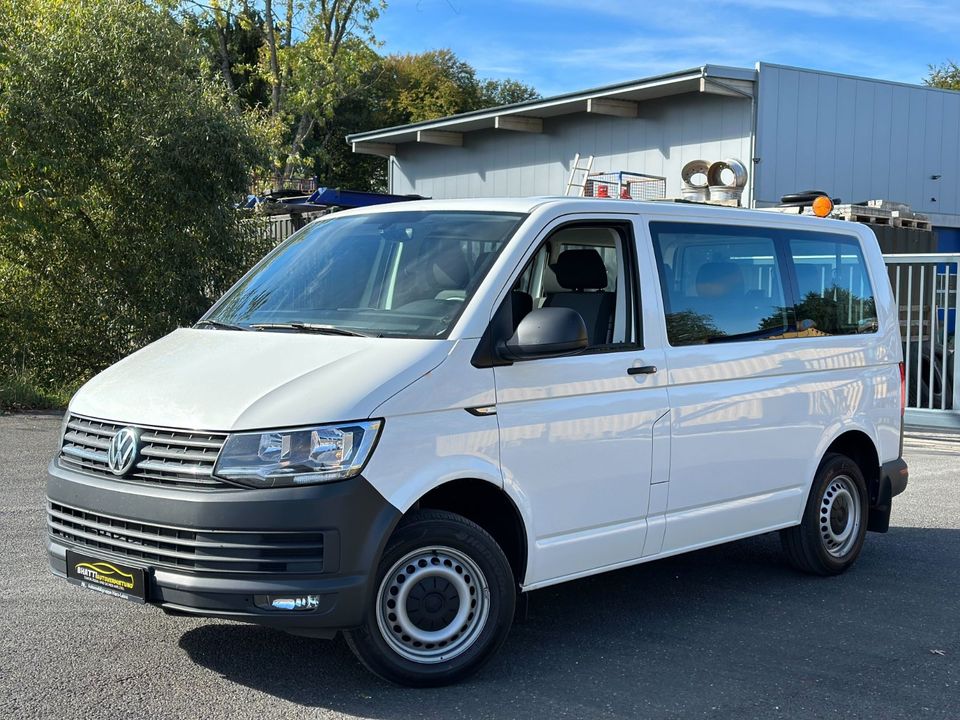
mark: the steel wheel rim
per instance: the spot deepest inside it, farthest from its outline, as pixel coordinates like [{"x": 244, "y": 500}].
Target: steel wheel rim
[
  {"x": 432, "y": 604},
  {"x": 840, "y": 516}
]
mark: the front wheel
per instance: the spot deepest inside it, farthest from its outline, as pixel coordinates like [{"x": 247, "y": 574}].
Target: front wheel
[
  {"x": 443, "y": 605},
  {"x": 829, "y": 538}
]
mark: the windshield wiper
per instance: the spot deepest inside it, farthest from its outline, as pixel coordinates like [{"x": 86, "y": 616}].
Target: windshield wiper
[
  {"x": 221, "y": 325},
  {"x": 310, "y": 327}
]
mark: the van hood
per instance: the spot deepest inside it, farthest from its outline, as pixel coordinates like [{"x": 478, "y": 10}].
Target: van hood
[{"x": 224, "y": 380}]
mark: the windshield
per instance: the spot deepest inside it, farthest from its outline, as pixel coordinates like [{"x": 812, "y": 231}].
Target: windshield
[{"x": 395, "y": 274}]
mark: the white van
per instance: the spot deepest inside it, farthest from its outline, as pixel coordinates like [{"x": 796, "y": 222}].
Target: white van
[{"x": 405, "y": 416}]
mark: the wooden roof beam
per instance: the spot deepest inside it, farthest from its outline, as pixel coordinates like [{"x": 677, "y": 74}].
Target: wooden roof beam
[
  {"x": 374, "y": 148},
  {"x": 518, "y": 123},
  {"x": 617, "y": 108},
  {"x": 440, "y": 137},
  {"x": 730, "y": 88}
]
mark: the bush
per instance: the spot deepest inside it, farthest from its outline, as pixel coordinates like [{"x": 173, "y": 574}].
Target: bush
[
  {"x": 119, "y": 167},
  {"x": 22, "y": 392}
]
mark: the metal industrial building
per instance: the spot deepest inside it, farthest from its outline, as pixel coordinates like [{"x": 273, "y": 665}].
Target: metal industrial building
[{"x": 795, "y": 129}]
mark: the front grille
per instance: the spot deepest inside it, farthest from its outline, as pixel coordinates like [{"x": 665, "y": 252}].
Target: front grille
[
  {"x": 183, "y": 458},
  {"x": 190, "y": 550}
]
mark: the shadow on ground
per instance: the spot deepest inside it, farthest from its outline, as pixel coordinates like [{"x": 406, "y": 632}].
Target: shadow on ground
[{"x": 729, "y": 630}]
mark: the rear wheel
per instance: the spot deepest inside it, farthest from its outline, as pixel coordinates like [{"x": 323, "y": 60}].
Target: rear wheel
[
  {"x": 831, "y": 534},
  {"x": 443, "y": 605}
]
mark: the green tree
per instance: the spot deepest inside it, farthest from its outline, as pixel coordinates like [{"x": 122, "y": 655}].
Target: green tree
[
  {"x": 397, "y": 90},
  {"x": 232, "y": 35},
  {"x": 313, "y": 54},
  {"x": 436, "y": 83},
  {"x": 946, "y": 76},
  {"x": 505, "y": 92},
  {"x": 316, "y": 74},
  {"x": 119, "y": 165}
]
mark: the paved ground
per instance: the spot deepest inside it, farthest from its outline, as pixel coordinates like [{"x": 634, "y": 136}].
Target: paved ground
[{"x": 729, "y": 632}]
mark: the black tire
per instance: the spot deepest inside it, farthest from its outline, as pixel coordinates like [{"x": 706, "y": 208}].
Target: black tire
[
  {"x": 829, "y": 538},
  {"x": 439, "y": 546}
]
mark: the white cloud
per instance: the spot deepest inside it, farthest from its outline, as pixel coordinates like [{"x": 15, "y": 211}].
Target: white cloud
[{"x": 578, "y": 46}]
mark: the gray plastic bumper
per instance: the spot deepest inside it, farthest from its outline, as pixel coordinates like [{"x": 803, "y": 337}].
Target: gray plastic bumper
[{"x": 352, "y": 517}]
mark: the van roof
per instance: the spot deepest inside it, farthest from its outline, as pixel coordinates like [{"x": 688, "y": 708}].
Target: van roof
[{"x": 527, "y": 205}]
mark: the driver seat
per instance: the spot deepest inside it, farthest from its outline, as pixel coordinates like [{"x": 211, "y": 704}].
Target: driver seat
[{"x": 582, "y": 275}]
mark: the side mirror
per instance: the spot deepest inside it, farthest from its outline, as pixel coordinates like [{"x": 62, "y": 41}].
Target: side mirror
[{"x": 546, "y": 332}]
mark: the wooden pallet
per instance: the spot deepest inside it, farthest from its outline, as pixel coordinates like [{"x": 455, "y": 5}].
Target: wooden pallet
[
  {"x": 912, "y": 223},
  {"x": 865, "y": 218}
]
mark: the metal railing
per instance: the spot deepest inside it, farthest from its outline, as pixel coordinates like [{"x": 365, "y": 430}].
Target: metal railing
[{"x": 925, "y": 287}]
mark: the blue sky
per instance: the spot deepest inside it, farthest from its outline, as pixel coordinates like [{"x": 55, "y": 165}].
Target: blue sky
[{"x": 561, "y": 45}]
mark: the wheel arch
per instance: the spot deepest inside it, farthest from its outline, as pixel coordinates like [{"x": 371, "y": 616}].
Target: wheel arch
[
  {"x": 488, "y": 506},
  {"x": 858, "y": 444}
]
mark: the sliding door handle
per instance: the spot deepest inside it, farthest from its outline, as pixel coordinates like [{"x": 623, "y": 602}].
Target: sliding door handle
[{"x": 642, "y": 370}]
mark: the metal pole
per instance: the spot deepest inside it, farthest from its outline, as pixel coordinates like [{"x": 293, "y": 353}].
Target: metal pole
[
  {"x": 916, "y": 391},
  {"x": 909, "y": 322},
  {"x": 896, "y": 295},
  {"x": 956, "y": 333},
  {"x": 946, "y": 324},
  {"x": 933, "y": 335}
]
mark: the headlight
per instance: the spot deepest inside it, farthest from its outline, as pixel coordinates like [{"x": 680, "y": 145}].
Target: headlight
[{"x": 304, "y": 456}]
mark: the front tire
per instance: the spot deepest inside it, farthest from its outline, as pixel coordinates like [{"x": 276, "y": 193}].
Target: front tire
[
  {"x": 442, "y": 605},
  {"x": 829, "y": 538}
]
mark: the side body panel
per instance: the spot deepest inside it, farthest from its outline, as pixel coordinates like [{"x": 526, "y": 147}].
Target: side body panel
[
  {"x": 577, "y": 441},
  {"x": 607, "y": 469},
  {"x": 751, "y": 420},
  {"x": 428, "y": 436}
]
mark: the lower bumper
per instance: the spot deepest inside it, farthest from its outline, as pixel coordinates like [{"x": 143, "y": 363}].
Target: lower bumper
[
  {"x": 897, "y": 474},
  {"x": 119, "y": 521},
  {"x": 340, "y": 602},
  {"x": 893, "y": 481}
]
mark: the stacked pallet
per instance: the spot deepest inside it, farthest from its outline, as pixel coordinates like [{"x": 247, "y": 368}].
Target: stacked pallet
[{"x": 882, "y": 212}]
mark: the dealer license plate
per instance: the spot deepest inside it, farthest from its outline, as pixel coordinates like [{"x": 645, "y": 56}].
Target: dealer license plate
[{"x": 107, "y": 577}]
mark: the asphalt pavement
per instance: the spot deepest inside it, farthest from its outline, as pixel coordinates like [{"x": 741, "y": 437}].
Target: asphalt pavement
[{"x": 728, "y": 632}]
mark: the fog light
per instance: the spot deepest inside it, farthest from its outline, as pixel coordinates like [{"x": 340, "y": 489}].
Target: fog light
[{"x": 288, "y": 602}]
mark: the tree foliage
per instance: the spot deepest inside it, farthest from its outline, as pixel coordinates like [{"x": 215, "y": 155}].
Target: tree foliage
[
  {"x": 312, "y": 54},
  {"x": 128, "y": 130},
  {"x": 401, "y": 89},
  {"x": 119, "y": 167},
  {"x": 318, "y": 75},
  {"x": 946, "y": 76}
]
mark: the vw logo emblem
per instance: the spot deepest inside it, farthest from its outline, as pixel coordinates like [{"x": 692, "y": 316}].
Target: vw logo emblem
[{"x": 123, "y": 451}]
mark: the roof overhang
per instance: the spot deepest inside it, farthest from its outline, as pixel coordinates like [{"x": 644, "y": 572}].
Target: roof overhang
[{"x": 622, "y": 100}]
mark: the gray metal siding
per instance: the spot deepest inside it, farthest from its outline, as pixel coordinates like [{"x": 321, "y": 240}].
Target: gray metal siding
[
  {"x": 669, "y": 132},
  {"x": 857, "y": 139}
]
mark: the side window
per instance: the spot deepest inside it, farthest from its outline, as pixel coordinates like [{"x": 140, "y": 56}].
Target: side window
[
  {"x": 834, "y": 295},
  {"x": 719, "y": 283},
  {"x": 584, "y": 267}
]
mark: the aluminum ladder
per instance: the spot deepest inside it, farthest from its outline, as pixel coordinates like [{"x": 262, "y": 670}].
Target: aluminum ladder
[{"x": 574, "y": 170}]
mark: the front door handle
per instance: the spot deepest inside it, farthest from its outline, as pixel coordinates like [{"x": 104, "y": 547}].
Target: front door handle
[{"x": 642, "y": 370}]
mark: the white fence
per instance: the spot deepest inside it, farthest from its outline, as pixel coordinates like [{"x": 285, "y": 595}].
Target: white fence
[{"x": 925, "y": 286}]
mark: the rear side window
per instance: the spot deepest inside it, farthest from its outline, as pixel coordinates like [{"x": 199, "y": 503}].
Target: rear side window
[
  {"x": 720, "y": 283},
  {"x": 834, "y": 295}
]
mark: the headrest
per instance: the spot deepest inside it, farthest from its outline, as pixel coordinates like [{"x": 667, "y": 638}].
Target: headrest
[
  {"x": 720, "y": 280},
  {"x": 581, "y": 270},
  {"x": 450, "y": 270}
]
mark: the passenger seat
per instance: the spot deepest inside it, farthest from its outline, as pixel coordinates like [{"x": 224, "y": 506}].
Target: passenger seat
[{"x": 583, "y": 275}]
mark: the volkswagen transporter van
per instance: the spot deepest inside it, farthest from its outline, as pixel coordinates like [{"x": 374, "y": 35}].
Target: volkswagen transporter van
[{"x": 405, "y": 416}]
